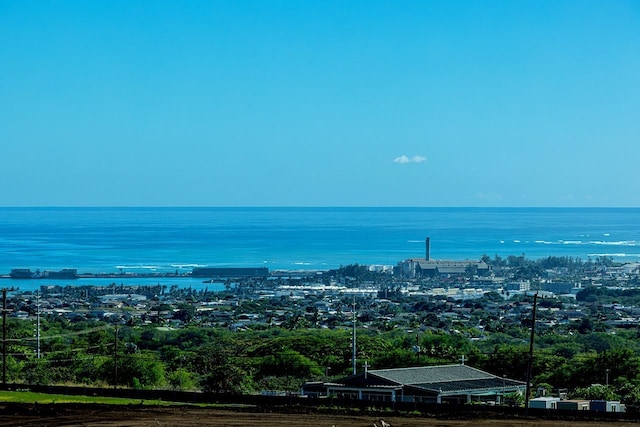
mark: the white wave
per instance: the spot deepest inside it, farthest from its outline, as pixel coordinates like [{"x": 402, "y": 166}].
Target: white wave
[
  {"x": 501, "y": 241},
  {"x": 302, "y": 263},
  {"x": 415, "y": 241},
  {"x": 134, "y": 267},
  {"x": 606, "y": 234},
  {"x": 187, "y": 265},
  {"x": 618, "y": 243},
  {"x": 600, "y": 242},
  {"x": 517, "y": 241},
  {"x": 623, "y": 255},
  {"x": 544, "y": 242},
  {"x": 572, "y": 242}
]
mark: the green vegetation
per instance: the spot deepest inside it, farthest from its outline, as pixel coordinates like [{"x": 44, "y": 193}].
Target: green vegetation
[
  {"x": 44, "y": 398},
  {"x": 239, "y": 341},
  {"x": 220, "y": 361}
]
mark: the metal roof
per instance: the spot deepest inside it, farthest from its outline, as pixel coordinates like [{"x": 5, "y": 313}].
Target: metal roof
[
  {"x": 470, "y": 385},
  {"x": 432, "y": 374},
  {"x": 444, "y": 380}
]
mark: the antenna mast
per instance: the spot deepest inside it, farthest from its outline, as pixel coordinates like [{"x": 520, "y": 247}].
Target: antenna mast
[{"x": 530, "y": 361}]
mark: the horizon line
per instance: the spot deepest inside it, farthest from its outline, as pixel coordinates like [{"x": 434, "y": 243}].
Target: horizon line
[{"x": 304, "y": 207}]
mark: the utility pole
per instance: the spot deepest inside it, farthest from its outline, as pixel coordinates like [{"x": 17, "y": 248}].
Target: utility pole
[
  {"x": 115, "y": 358},
  {"x": 530, "y": 361},
  {"x": 4, "y": 337},
  {"x": 353, "y": 344},
  {"x": 38, "y": 325}
]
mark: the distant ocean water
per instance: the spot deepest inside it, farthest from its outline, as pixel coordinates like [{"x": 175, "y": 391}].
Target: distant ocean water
[{"x": 168, "y": 239}]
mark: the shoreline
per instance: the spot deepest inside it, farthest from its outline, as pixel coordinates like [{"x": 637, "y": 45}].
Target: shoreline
[
  {"x": 215, "y": 274},
  {"x": 103, "y": 276}
]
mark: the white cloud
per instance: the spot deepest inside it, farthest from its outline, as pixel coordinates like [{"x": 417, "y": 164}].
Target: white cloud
[{"x": 404, "y": 159}]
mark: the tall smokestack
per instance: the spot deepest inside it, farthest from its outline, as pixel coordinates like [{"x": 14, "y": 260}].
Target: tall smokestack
[{"x": 427, "y": 254}]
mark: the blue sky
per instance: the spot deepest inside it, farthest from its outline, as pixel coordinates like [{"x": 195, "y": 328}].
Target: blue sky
[{"x": 327, "y": 103}]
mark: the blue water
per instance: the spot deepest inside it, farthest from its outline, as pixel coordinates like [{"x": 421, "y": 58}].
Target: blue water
[{"x": 169, "y": 239}]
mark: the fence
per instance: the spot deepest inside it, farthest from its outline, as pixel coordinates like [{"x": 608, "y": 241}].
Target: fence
[{"x": 294, "y": 403}]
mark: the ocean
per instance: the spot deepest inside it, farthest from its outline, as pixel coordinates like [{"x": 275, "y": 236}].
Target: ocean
[{"x": 177, "y": 239}]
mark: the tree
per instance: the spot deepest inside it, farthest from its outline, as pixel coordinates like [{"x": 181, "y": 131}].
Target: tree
[
  {"x": 186, "y": 312},
  {"x": 394, "y": 358},
  {"x": 508, "y": 360},
  {"x": 288, "y": 363},
  {"x": 629, "y": 392},
  {"x": 594, "y": 392},
  {"x": 218, "y": 371},
  {"x": 585, "y": 326},
  {"x": 181, "y": 379},
  {"x": 514, "y": 399},
  {"x": 137, "y": 370},
  {"x": 37, "y": 372}
]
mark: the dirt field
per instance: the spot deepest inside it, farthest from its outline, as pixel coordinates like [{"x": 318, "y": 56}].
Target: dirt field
[{"x": 138, "y": 416}]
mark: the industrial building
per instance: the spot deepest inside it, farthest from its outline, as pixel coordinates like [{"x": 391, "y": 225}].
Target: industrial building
[
  {"x": 427, "y": 267},
  {"x": 230, "y": 272}
]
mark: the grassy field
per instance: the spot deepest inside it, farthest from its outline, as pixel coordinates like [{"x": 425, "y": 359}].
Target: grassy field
[{"x": 28, "y": 397}]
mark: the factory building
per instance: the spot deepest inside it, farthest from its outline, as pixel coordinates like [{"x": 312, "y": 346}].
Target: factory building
[{"x": 427, "y": 267}]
